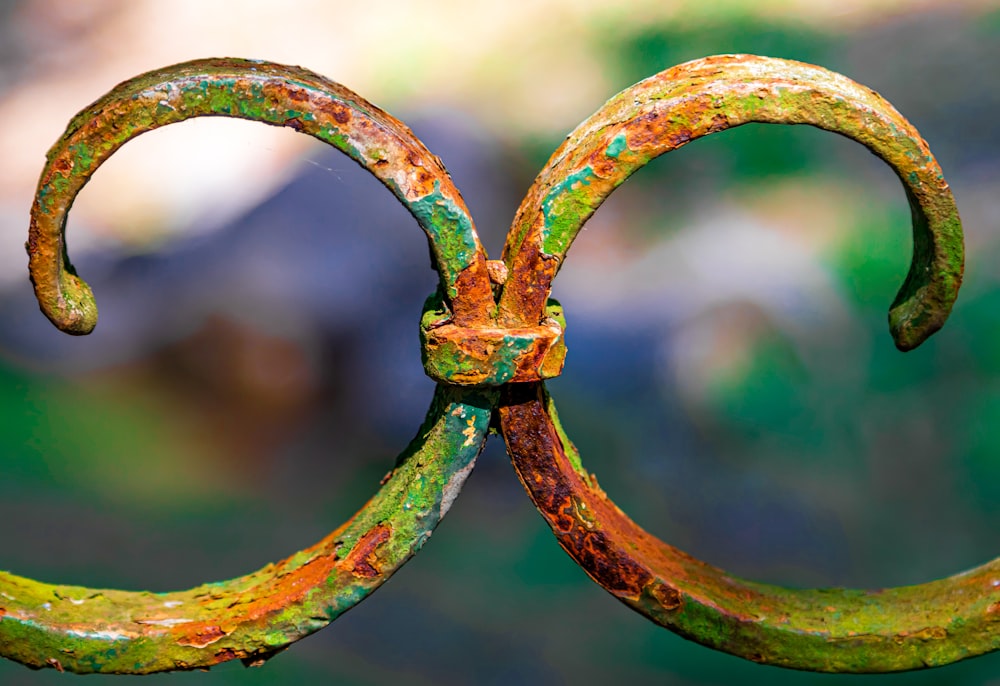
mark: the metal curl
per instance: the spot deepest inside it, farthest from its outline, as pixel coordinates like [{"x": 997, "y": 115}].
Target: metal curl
[
  {"x": 698, "y": 98},
  {"x": 274, "y": 94}
]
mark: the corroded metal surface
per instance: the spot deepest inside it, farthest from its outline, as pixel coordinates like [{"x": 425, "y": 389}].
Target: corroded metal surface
[
  {"x": 491, "y": 324},
  {"x": 273, "y": 94},
  {"x": 832, "y": 630},
  {"x": 100, "y": 630},
  {"x": 826, "y": 630},
  {"x": 491, "y": 355}
]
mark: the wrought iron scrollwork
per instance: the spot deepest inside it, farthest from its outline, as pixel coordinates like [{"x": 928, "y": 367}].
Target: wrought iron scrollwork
[{"x": 491, "y": 336}]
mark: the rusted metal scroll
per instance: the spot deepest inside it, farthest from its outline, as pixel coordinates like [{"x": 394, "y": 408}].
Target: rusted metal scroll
[{"x": 490, "y": 337}]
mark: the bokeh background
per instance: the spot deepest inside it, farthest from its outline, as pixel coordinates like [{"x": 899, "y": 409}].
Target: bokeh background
[{"x": 730, "y": 377}]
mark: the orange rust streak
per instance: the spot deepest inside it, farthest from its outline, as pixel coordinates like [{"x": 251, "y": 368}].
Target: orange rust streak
[
  {"x": 275, "y": 594},
  {"x": 363, "y": 559},
  {"x": 282, "y": 589},
  {"x": 474, "y": 303},
  {"x": 529, "y": 282}
]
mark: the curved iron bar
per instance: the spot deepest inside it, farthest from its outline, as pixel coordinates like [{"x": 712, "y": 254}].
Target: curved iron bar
[
  {"x": 692, "y": 100},
  {"x": 259, "y": 91}
]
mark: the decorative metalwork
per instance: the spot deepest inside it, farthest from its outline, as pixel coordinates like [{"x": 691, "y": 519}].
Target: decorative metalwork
[{"x": 490, "y": 337}]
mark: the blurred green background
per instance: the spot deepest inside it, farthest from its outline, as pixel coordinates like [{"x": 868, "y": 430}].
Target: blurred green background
[{"x": 730, "y": 376}]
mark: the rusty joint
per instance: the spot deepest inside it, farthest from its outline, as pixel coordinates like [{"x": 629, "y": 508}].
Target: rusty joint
[{"x": 490, "y": 354}]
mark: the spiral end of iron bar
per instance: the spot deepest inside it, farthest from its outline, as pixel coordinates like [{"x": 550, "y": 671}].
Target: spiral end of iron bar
[
  {"x": 915, "y": 319},
  {"x": 926, "y": 297},
  {"x": 63, "y": 297},
  {"x": 75, "y": 311},
  {"x": 274, "y": 94}
]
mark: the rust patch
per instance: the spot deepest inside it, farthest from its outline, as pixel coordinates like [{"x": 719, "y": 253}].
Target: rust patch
[
  {"x": 646, "y": 130},
  {"x": 296, "y": 94},
  {"x": 474, "y": 302},
  {"x": 602, "y": 165},
  {"x": 529, "y": 282},
  {"x": 332, "y": 111},
  {"x": 62, "y": 165},
  {"x": 341, "y": 115},
  {"x": 363, "y": 559},
  {"x": 204, "y": 635},
  {"x": 657, "y": 132},
  {"x": 720, "y": 122},
  {"x": 555, "y": 489},
  {"x": 423, "y": 180},
  {"x": 668, "y": 597},
  {"x": 680, "y": 137}
]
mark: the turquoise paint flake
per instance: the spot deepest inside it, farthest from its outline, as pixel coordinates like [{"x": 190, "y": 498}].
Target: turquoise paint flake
[
  {"x": 505, "y": 361},
  {"x": 617, "y": 146}
]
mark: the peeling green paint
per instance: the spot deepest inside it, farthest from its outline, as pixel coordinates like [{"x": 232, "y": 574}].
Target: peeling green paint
[
  {"x": 83, "y": 156},
  {"x": 451, "y": 232}
]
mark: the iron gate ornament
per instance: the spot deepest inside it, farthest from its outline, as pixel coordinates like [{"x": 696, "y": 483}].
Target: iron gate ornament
[{"x": 490, "y": 336}]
